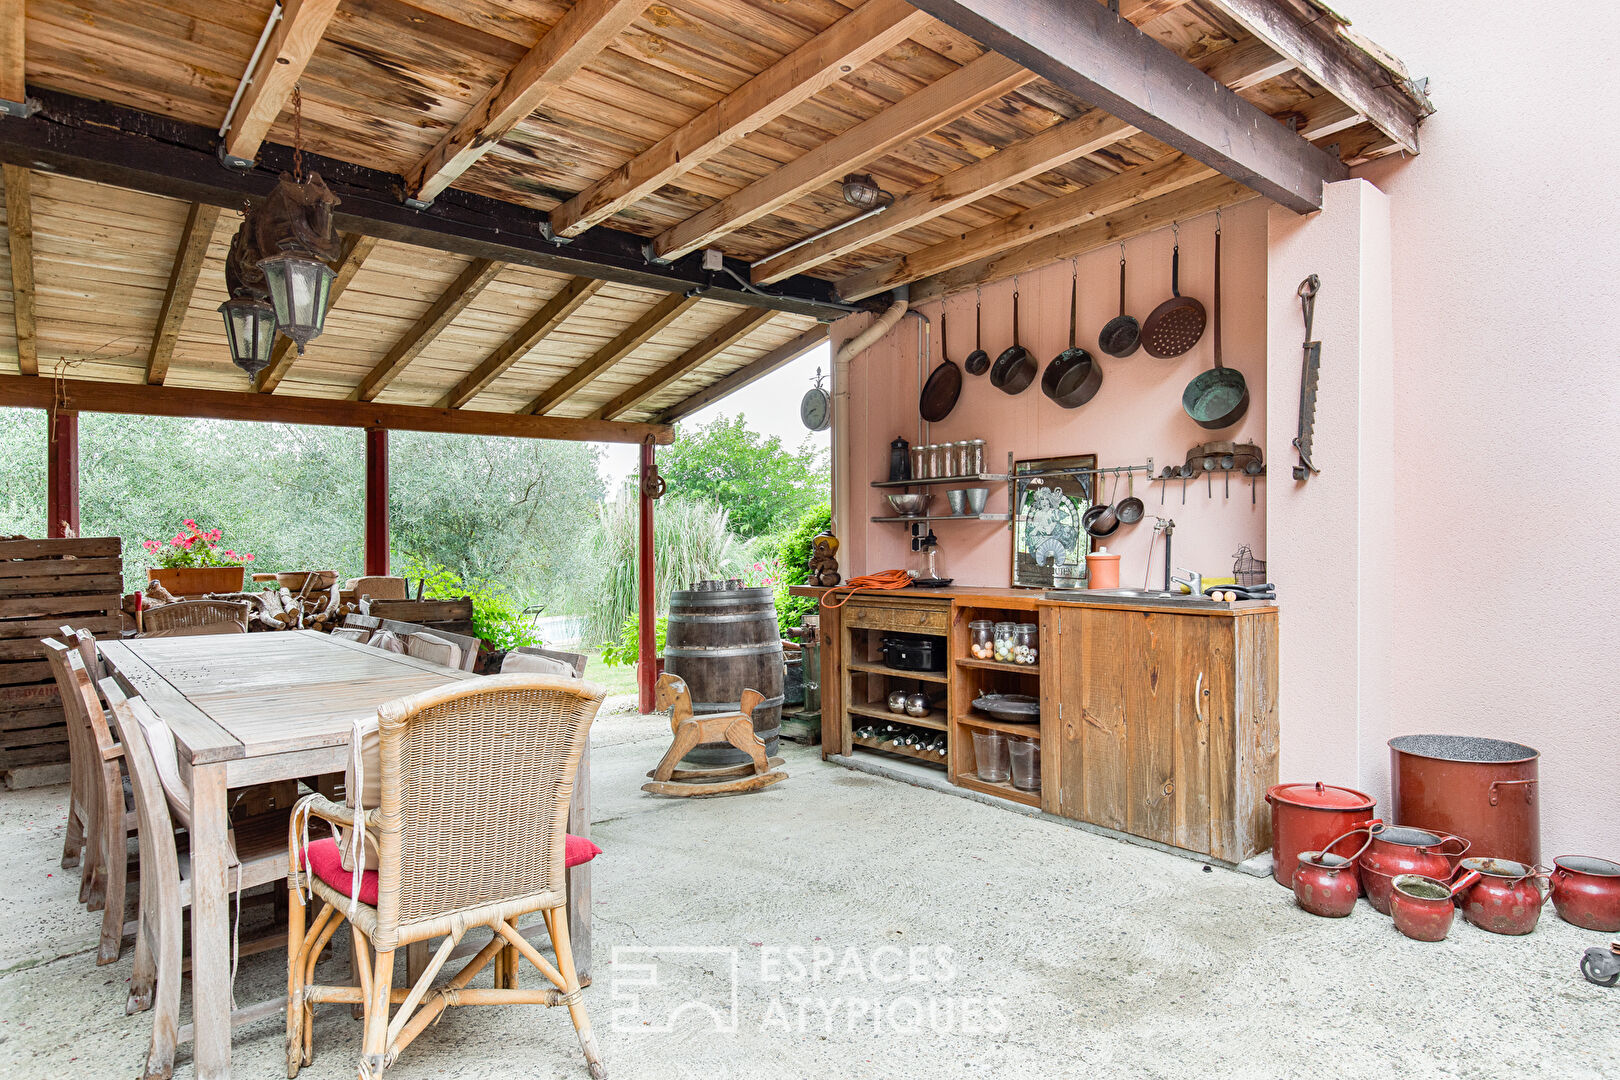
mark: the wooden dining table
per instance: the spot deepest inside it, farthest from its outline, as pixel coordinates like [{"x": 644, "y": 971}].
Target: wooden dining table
[{"x": 257, "y": 708}]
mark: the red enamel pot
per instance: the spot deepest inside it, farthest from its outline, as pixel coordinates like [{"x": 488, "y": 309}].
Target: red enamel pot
[
  {"x": 1393, "y": 850},
  {"x": 1306, "y": 817},
  {"x": 1423, "y": 907},
  {"x": 1586, "y": 892},
  {"x": 1326, "y": 884},
  {"x": 1507, "y": 898}
]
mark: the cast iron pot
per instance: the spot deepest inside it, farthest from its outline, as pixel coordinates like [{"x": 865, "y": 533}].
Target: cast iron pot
[{"x": 1014, "y": 369}]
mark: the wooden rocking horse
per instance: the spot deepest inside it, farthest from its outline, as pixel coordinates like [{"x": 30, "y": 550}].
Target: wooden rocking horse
[{"x": 735, "y": 728}]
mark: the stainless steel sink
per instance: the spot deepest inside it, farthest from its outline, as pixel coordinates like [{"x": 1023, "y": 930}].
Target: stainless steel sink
[{"x": 1147, "y": 597}]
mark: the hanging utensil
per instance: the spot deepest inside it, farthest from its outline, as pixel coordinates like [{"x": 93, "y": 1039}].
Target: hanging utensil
[
  {"x": 1164, "y": 482},
  {"x": 978, "y": 361},
  {"x": 1130, "y": 509},
  {"x": 1253, "y": 469},
  {"x": 1073, "y": 377},
  {"x": 944, "y": 385},
  {"x": 1014, "y": 369},
  {"x": 1309, "y": 375},
  {"x": 1122, "y": 336},
  {"x": 1174, "y": 326},
  {"x": 1219, "y": 397}
]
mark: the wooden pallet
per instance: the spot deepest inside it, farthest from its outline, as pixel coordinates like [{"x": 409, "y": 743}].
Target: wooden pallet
[{"x": 44, "y": 585}]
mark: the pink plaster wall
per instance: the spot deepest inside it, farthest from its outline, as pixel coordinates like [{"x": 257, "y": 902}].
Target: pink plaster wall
[
  {"x": 1507, "y": 407},
  {"x": 1136, "y": 414}
]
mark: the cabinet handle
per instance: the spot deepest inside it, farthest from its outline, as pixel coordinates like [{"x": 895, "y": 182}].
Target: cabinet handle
[{"x": 1198, "y": 698}]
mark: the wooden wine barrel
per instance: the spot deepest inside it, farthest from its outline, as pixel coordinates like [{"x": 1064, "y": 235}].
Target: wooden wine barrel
[{"x": 723, "y": 642}]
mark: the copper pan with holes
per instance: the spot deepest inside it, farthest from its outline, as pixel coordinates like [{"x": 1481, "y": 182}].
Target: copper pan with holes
[{"x": 1174, "y": 326}]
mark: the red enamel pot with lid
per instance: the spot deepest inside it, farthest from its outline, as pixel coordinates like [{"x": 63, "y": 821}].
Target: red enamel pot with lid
[{"x": 1307, "y": 817}]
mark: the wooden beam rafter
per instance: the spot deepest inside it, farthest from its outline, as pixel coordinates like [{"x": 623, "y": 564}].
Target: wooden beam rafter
[
  {"x": 1170, "y": 173},
  {"x": 356, "y": 248},
  {"x": 187, "y": 267},
  {"x": 637, "y": 334},
  {"x": 303, "y": 23},
  {"x": 684, "y": 364},
  {"x": 585, "y": 30},
  {"x": 963, "y": 90},
  {"x": 13, "y": 50},
  {"x": 749, "y": 373},
  {"x": 20, "y": 239},
  {"x": 1090, "y": 52},
  {"x": 139, "y": 399},
  {"x": 541, "y": 325},
  {"x": 854, "y": 40},
  {"x": 472, "y": 280}
]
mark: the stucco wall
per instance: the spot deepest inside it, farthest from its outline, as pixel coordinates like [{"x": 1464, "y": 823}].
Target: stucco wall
[{"x": 1506, "y": 264}]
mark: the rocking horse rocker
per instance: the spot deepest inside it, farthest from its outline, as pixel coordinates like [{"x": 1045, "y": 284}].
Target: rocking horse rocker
[{"x": 735, "y": 728}]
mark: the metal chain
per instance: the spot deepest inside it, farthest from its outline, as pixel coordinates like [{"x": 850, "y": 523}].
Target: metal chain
[{"x": 298, "y": 135}]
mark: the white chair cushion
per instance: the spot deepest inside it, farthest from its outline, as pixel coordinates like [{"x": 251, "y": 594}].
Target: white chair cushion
[
  {"x": 370, "y": 750},
  {"x": 434, "y": 649},
  {"x": 387, "y": 640},
  {"x": 530, "y": 664}
]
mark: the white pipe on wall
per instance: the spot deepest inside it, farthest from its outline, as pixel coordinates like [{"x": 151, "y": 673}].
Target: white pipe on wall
[{"x": 840, "y": 403}]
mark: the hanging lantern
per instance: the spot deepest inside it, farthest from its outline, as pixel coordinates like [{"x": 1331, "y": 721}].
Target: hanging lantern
[
  {"x": 299, "y": 287},
  {"x": 250, "y": 328},
  {"x": 863, "y": 193}
]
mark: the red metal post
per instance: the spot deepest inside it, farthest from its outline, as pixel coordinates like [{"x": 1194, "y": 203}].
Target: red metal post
[
  {"x": 62, "y": 475},
  {"x": 377, "y": 502},
  {"x": 647, "y": 650}
]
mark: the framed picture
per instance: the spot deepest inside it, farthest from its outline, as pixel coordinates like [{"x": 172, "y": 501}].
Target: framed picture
[{"x": 1049, "y": 495}]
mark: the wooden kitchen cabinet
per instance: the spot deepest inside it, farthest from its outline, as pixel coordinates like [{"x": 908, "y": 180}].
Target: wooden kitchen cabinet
[{"x": 1166, "y": 723}]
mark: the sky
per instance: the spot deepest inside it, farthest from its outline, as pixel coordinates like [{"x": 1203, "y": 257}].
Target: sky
[{"x": 769, "y": 406}]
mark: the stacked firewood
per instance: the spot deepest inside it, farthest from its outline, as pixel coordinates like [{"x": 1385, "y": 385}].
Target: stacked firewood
[{"x": 276, "y": 609}]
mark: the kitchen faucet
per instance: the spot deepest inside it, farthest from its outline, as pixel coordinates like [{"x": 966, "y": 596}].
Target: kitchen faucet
[{"x": 1190, "y": 578}]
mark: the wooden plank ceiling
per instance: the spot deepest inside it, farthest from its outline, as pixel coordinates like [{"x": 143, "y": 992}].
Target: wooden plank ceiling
[{"x": 689, "y": 123}]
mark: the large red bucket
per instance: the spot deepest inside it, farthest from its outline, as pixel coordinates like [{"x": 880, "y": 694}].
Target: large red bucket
[{"x": 1305, "y": 817}]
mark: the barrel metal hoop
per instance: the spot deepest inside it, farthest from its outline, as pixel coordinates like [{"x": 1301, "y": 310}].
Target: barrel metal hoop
[
  {"x": 738, "y": 650},
  {"x": 752, "y": 616}
]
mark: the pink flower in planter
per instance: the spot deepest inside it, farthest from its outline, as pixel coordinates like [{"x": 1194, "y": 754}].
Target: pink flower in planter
[
  {"x": 188, "y": 523},
  {"x": 247, "y": 558},
  {"x": 214, "y": 535},
  {"x": 152, "y": 545}
]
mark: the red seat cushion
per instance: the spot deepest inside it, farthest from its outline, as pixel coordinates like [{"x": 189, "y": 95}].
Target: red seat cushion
[{"x": 327, "y": 862}]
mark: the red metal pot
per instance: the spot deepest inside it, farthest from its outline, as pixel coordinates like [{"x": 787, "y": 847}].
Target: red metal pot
[
  {"x": 1305, "y": 817},
  {"x": 1326, "y": 884},
  {"x": 1393, "y": 850},
  {"x": 1422, "y": 906},
  {"x": 1507, "y": 898},
  {"x": 1586, "y": 892},
  {"x": 1484, "y": 789}
]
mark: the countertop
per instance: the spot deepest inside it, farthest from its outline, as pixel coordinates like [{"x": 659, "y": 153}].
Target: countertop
[{"x": 991, "y": 594}]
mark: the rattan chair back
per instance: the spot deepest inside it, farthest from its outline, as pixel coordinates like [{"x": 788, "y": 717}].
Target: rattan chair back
[{"x": 191, "y": 618}]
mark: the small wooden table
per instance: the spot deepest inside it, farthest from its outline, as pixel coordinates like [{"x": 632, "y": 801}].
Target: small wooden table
[{"x": 256, "y": 708}]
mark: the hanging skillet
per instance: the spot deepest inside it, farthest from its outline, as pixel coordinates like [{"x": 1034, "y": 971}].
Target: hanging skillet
[
  {"x": 1175, "y": 325},
  {"x": 978, "y": 361},
  {"x": 1123, "y": 334},
  {"x": 1073, "y": 376},
  {"x": 1219, "y": 397},
  {"x": 944, "y": 383},
  {"x": 1014, "y": 369}
]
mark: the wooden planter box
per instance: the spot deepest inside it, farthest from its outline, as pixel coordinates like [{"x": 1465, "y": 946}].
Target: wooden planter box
[{"x": 198, "y": 580}]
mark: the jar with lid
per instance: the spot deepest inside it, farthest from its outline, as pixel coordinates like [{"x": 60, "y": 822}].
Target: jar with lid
[
  {"x": 1003, "y": 641},
  {"x": 974, "y": 463},
  {"x": 963, "y": 459},
  {"x": 939, "y": 460},
  {"x": 1025, "y": 643},
  {"x": 981, "y": 639},
  {"x": 919, "y": 463}
]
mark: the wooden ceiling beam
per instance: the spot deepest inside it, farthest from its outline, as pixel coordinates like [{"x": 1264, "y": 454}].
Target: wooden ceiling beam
[
  {"x": 138, "y": 399},
  {"x": 629, "y": 340},
  {"x": 472, "y": 280},
  {"x": 750, "y": 372},
  {"x": 187, "y": 267},
  {"x": 1239, "y": 66},
  {"x": 20, "y": 239},
  {"x": 1170, "y": 173},
  {"x": 1085, "y": 49},
  {"x": 540, "y": 326},
  {"x": 851, "y": 42},
  {"x": 1318, "y": 45},
  {"x": 585, "y": 30},
  {"x": 356, "y": 248},
  {"x": 1139, "y": 219},
  {"x": 686, "y": 363},
  {"x": 963, "y": 90},
  {"x": 303, "y": 23},
  {"x": 13, "y": 50}
]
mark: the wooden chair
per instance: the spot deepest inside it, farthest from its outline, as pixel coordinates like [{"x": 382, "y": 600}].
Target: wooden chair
[
  {"x": 194, "y": 618},
  {"x": 476, "y": 779},
  {"x": 107, "y": 822},
  {"x": 161, "y": 800},
  {"x": 468, "y": 645},
  {"x": 518, "y": 661},
  {"x": 81, "y": 788}
]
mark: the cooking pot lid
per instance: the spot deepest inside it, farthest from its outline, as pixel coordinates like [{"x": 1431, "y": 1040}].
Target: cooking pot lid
[{"x": 1320, "y": 796}]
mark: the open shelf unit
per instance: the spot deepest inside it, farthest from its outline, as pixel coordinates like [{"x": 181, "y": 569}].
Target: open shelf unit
[
  {"x": 935, "y": 720},
  {"x": 971, "y": 676},
  {"x": 868, "y": 681}
]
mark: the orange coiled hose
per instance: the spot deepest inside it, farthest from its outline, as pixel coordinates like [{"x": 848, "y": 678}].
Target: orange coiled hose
[{"x": 883, "y": 579}]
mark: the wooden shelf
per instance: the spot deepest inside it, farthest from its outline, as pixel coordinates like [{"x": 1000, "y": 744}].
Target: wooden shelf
[
  {"x": 935, "y": 720},
  {"x": 900, "y": 751},
  {"x": 1030, "y": 730},
  {"x": 972, "y": 782},
  {"x": 997, "y": 665},
  {"x": 874, "y": 668}
]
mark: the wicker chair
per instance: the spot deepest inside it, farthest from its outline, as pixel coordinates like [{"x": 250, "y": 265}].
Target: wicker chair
[
  {"x": 476, "y": 781},
  {"x": 193, "y": 618}
]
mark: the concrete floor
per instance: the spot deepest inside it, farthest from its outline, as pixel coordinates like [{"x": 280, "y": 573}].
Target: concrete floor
[{"x": 955, "y": 940}]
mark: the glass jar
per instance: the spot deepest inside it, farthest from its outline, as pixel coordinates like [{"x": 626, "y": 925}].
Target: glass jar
[
  {"x": 975, "y": 458},
  {"x": 939, "y": 463},
  {"x": 919, "y": 463},
  {"x": 1003, "y": 642},
  {"x": 1025, "y": 643},
  {"x": 981, "y": 639}
]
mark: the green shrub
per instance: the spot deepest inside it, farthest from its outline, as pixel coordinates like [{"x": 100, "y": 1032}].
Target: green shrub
[
  {"x": 624, "y": 650},
  {"x": 795, "y": 562},
  {"x": 497, "y": 616}
]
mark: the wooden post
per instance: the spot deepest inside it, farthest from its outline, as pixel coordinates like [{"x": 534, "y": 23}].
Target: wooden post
[
  {"x": 376, "y": 502},
  {"x": 62, "y": 475},
  {"x": 647, "y": 652}
]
